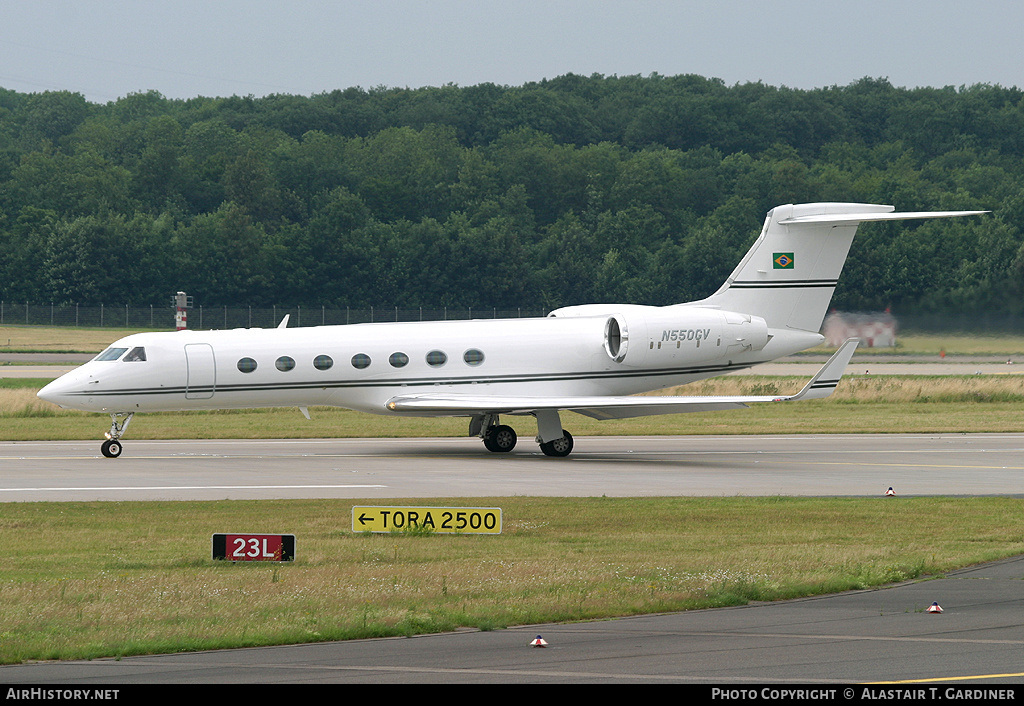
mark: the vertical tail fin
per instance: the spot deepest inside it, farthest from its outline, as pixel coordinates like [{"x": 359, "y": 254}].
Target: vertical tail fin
[{"x": 789, "y": 274}]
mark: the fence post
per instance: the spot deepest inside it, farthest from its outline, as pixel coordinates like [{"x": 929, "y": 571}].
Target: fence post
[{"x": 101, "y": 314}]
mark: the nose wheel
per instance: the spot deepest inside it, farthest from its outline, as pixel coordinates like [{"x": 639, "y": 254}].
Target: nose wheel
[{"x": 111, "y": 448}]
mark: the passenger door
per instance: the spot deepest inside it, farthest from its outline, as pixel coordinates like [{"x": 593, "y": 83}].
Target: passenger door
[{"x": 201, "y": 371}]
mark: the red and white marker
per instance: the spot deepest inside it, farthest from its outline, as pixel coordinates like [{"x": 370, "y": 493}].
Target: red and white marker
[
  {"x": 890, "y": 491},
  {"x": 539, "y": 642},
  {"x": 934, "y": 608}
]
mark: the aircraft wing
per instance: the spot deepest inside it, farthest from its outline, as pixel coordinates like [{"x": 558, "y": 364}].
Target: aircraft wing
[{"x": 452, "y": 404}]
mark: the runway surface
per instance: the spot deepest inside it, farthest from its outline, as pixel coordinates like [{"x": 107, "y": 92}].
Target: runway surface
[{"x": 829, "y": 465}]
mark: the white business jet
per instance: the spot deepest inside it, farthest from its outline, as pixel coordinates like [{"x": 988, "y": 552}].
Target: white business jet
[{"x": 588, "y": 359}]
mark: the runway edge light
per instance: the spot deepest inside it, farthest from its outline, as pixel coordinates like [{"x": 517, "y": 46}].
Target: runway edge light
[
  {"x": 890, "y": 491},
  {"x": 934, "y": 608},
  {"x": 539, "y": 642}
]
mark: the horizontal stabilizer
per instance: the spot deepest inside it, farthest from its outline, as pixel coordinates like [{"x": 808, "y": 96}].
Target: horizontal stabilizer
[
  {"x": 848, "y": 218},
  {"x": 821, "y": 385}
]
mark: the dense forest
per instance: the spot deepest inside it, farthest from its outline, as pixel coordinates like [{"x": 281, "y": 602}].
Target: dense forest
[{"x": 566, "y": 191}]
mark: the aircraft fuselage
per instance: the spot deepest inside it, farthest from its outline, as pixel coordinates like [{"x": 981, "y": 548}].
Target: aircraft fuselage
[{"x": 361, "y": 366}]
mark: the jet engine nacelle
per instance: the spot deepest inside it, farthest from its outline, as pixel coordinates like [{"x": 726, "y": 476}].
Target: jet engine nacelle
[{"x": 673, "y": 335}]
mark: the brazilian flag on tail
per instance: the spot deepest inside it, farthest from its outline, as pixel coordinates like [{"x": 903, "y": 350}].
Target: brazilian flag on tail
[{"x": 782, "y": 260}]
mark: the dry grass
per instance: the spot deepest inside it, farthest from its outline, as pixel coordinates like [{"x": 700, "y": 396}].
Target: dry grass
[
  {"x": 59, "y": 339},
  {"x": 893, "y": 389}
]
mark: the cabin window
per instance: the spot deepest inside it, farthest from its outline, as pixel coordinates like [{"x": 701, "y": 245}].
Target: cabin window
[
  {"x": 436, "y": 359},
  {"x": 473, "y": 357},
  {"x": 360, "y": 361},
  {"x": 284, "y": 363},
  {"x": 111, "y": 354},
  {"x": 246, "y": 365},
  {"x": 398, "y": 360},
  {"x": 323, "y": 362},
  {"x": 136, "y": 355}
]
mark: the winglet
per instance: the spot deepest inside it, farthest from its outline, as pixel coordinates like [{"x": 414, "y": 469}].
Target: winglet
[{"x": 826, "y": 379}]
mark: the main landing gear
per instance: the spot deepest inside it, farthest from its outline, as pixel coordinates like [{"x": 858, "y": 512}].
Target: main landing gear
[
  {"x": 558, "y": 447},
  {"x": 111, "y": 448},
  {"x": 501, "y": 438}
]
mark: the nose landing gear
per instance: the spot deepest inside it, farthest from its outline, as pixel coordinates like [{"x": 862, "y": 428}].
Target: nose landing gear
[{"x": 111, "y": 448}]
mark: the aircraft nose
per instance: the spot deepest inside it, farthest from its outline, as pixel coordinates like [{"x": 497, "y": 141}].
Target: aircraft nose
[
  {"x": 50, "y": 392},
  {"x": 57, "y": 391}
]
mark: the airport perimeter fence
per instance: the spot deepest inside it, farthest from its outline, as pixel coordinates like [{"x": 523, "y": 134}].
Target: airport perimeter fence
[{"x": 225, "y": 317}]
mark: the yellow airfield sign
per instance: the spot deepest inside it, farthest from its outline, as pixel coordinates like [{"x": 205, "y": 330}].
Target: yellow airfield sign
[{"x": 443, "y": 520}]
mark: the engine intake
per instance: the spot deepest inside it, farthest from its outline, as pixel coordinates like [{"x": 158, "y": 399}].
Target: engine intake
[{"x": 616, "y": 338}]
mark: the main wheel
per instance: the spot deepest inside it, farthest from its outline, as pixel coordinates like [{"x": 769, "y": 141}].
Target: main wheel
[
  {"x": 111, "y": 448},
  {"x": 500, "y": 439},
  {"x": 558, "y": 447}
]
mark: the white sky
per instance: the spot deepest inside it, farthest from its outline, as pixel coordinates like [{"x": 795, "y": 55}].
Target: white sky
[{"x": 105, "y": 49}]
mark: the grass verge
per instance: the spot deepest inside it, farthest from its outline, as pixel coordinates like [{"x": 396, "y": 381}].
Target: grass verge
[{"x": 86, "y": 580}]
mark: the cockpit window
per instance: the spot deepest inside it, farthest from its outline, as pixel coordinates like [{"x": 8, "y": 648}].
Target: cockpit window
[
  {"x": 111, "y": 354},
  {"x": 136, "y": 354}
]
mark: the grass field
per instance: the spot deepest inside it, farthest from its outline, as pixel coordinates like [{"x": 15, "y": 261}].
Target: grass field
[
  {"x": 85, "y": 580},
  {"x": 58, "y": 339}
]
